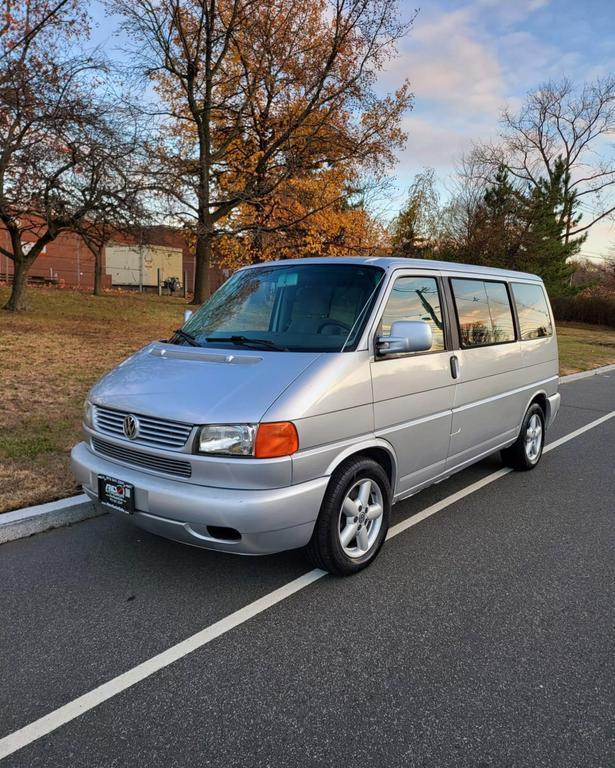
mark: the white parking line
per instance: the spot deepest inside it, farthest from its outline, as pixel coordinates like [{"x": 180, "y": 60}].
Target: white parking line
[
  {"x": 577, "y": 432},
  {"x": 50, "y": 722}
]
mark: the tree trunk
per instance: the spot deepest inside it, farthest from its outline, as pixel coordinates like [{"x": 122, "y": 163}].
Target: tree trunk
[
  {"x": 98, "y": 291},
  {"x": 202, "y": 286},
  {"x": 257, "y": 246},
  {"x": 17, "y": 299}
]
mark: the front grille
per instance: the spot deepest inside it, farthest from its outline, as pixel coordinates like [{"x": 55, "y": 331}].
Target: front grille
[
  {"x": 155, "y": 432},
  {"x": 140, "y": 459}
]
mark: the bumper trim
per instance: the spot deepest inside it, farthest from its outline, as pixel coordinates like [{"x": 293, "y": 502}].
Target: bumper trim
[{"x": 553, "y": 407}]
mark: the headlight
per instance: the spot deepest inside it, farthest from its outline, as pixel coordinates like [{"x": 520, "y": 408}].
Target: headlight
[
  {"x": 263, "y": 441},
  {"x": 228, "y": 439},
  {"x": 88, "y": 414}
]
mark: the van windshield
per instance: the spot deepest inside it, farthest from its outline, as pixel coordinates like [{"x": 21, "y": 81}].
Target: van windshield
[{"x": 299, "y": 308}]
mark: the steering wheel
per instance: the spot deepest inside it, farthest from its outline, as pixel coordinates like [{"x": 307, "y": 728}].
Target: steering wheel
[{"x": 336, "y": 323}]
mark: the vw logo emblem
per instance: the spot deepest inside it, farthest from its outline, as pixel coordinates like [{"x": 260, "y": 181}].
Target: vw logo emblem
[{"x": 131, "y": 426}]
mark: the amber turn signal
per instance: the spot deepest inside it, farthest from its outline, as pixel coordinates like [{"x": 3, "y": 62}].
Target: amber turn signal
[{"x": 278, "y": 438}]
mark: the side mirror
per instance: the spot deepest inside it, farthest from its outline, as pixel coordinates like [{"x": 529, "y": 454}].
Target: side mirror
[
  {"x": 406, "y": 336},
  {"x": 187, "y": 315}
]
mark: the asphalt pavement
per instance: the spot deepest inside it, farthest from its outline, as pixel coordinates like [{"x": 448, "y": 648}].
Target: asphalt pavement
[{"x": 483, "y": 636}]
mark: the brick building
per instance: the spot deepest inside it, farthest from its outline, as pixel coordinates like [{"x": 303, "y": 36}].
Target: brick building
[{"x": 129, "y": 260}]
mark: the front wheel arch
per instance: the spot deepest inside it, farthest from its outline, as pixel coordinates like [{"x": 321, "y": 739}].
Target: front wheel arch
[{"x": 378, "y": 450}]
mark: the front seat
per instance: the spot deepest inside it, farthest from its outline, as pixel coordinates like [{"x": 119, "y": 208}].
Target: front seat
[{"x": 310, "y": 311}]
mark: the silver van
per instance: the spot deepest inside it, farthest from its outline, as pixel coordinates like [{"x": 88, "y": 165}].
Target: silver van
[{"x": 305, "y": 397}]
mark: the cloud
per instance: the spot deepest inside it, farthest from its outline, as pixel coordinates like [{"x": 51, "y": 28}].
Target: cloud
[
  {"x": 528, "y": 61},
  {"x": 507, "y": 13},
  {"x": 459, "y": 91},
  {"x": 474, "y": 58},
  {"x": 449, "y": 66},
  {"x": 434, "y": 144},
  {"x": 600, "y": 240}
]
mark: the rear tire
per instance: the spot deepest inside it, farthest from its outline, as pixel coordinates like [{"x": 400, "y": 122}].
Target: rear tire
[
  {"x": 525, "y": 453},
  {"x": 353, "y": 519}
]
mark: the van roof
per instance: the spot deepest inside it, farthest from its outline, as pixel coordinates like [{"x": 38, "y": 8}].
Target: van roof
[{"x": 396, "y": 262}]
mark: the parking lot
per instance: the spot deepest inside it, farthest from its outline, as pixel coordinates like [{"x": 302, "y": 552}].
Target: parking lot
[{"x": 482, "y": 636}]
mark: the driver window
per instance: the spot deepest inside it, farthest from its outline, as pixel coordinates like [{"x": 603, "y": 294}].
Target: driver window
[{"x": 415, "y": 298}]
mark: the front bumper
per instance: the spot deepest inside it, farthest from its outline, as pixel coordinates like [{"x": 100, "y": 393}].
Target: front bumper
[{"x": 268, "y": 520}]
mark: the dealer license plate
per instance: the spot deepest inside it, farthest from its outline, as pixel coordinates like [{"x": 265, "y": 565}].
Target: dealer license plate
[{"x": 116, "y": 493}]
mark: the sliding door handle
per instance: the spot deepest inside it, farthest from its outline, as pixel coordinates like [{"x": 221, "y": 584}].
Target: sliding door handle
[{"x": 455, "y": 367}]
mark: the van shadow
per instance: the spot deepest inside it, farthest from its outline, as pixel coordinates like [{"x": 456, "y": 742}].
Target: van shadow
[{"x": 440, "y": 491}]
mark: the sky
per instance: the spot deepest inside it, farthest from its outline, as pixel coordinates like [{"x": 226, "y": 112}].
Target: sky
[{"x": 466, "y": 61}]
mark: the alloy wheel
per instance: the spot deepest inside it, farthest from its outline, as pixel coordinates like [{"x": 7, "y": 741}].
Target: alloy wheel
[
  {"x": 360, "y": 518},
  {"x": 533, "y": 438}
]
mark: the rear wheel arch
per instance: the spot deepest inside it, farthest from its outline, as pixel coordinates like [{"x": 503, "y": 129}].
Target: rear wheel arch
[{"x": 541, "y": 399}]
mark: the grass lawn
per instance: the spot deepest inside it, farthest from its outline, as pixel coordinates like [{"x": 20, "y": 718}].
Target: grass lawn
[
  {"x": 50, "y": 356},
  {"x": 583, "y": 347}
]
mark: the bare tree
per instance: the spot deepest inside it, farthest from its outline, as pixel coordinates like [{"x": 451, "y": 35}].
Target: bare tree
[
  {"x": 459, "y": 216},
  {"x": 116, "y": 193},
  {"x": 55, "y": 132},
  {"x": 255, "y": 93},
  {"x": 416, "y": 228},
  {"x": 117, "y": 210},
  {"x": 559, "y": 120}
]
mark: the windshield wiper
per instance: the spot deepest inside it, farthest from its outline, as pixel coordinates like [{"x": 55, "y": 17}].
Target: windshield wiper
[
  {"x": 244, "y": 341},
  {"x": 185, "y": 336}
]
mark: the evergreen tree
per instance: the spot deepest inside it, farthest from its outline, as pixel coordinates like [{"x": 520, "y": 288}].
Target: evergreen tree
[
  {"x": 526, "y": 229},
  {"x": 499, "y": 223},
  {"x": 544, "y": 249}
]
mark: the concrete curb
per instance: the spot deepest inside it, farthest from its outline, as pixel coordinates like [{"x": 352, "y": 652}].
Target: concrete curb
[
  {"x": 55, "y": 514},
  {"x": 586, "y": 374},
  {"x": 42, "y": 517}
]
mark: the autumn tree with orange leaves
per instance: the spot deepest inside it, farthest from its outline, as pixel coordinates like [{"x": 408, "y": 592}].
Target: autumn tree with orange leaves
[
  {"x": 319, "y": 214},
  {"x": 260, "y": 101}
]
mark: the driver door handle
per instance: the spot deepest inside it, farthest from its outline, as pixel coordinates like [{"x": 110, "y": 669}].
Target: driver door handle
[{"x": 455, "y": 370}]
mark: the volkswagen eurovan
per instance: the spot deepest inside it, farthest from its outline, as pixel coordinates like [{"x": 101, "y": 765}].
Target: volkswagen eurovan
[{"x": 306, "y": 397}]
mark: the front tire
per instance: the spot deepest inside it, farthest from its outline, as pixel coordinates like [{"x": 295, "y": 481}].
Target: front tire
[
  {"x": 353, "y": 519},
  {"x": 525, "y": 453}
]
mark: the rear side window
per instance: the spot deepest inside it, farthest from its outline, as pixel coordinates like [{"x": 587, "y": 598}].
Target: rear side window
[
  {"x": 533, "y": 311},
  {"x": 415, "y": 298},
  {"x": 484, "y": 312}
]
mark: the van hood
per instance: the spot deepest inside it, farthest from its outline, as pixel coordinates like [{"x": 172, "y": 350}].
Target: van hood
[{"x": 200, "y": 386}]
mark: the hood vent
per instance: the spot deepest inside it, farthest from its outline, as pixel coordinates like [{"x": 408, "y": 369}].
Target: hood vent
[{"x": 203, "y": 356}]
